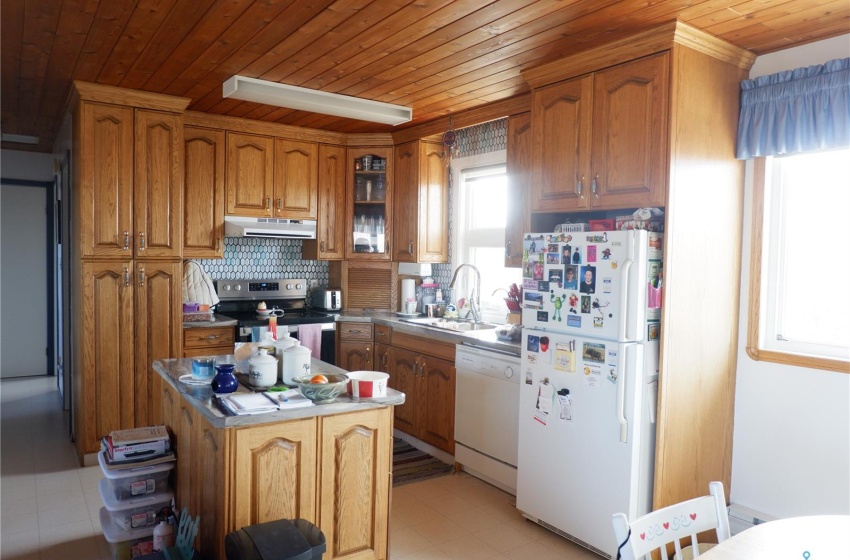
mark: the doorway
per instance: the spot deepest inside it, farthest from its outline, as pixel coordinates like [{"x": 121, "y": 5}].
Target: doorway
[{"x": 26, "y": 286}]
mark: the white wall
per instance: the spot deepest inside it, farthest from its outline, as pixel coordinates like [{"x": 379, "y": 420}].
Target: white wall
[
  {"x": 31, "y": 166},
  {"x": 791, "y": 453}
]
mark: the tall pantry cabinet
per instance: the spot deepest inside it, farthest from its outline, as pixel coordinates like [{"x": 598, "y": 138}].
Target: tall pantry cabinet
[
  {"x": 126, "y": 205},
  {"x": 651, "y": 120}
]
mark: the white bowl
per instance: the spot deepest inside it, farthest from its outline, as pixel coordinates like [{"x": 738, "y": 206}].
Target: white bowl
[{"x": 367, "y": 384}]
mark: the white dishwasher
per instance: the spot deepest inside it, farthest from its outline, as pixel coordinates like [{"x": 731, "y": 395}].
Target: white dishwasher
[{"x": 487, "y": 414}]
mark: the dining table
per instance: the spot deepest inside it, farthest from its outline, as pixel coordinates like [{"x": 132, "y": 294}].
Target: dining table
[{"x": 815, "y": 537}]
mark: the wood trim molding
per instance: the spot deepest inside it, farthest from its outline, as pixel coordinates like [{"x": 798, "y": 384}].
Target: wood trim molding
[
  {"x": 252, "y": 126},
  {"x": 86, "y": 91},
  {"x": 658, "y": 39},
  {"x": 753, "y": 323}
]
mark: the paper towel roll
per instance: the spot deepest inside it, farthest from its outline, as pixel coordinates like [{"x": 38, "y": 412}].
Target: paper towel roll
[{"x": 408, "y": 290}]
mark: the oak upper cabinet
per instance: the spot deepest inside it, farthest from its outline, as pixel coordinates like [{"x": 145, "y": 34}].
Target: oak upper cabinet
[
  {"x": 104, "y": 137},
  {"x": 158, "y": 184},
  {"x": 519, "y": 187},
  {"x": 369, "y": 204},
  {"x": 250, "y": 175},
  {"x": 421, "y": 208},
  {"x": 295, "y": 179},
  {"x": 330, "y": 228},
  {"x": 203, "y": 193},
  {"x": 600, "y": 140},
  {"x": 266, "y": 455},
  {"x": 355, "y": 475}
]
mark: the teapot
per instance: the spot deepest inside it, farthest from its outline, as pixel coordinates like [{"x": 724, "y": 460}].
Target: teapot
[{"x": 224, "y": 380}]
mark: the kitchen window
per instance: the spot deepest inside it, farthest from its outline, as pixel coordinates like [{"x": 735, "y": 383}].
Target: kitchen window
[
  {"x": 799, "y": 297},
  {"x": 480, "y": 214}
]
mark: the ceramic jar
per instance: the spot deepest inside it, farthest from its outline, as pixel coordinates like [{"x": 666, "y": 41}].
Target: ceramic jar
[
  {"x": 224, "y": 380},
  {"x": 296, "y": 362},
  {"x": 283, "y": 342},
  {"x": 263, "y": 370}
]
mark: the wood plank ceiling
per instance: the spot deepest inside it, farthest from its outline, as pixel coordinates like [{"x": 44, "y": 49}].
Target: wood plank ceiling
[{"x": 437, "y": 56}]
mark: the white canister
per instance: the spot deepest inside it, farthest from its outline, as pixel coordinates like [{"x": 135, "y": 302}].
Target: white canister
[
  {"x": 263, "y": 372},
  {"x": 296, "y": 362},
  {"x": 283, "y": 342}
]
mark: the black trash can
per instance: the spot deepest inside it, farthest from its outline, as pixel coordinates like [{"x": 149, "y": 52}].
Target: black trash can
[{"x": 284, "y": 539}]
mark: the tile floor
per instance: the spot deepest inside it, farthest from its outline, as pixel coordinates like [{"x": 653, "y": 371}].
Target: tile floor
[{"x": 50, "y": 505}]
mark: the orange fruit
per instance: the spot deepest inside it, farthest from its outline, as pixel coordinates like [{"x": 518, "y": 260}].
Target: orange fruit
[{"x": 318, "y": 379}]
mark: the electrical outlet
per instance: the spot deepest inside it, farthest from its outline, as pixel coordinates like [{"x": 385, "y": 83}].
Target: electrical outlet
[{"x": 314, "y": 283}]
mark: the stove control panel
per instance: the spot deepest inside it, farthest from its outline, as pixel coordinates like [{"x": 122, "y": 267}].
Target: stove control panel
[{"x": 261, "y": 289}]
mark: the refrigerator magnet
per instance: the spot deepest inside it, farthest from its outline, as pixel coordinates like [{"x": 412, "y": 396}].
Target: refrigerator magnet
[
  {"x": 612, "y": 375},
  {"x": 585, "y": 304},
  {"x": 553, "y": 258},
  {"x": 593, "y": 352},
  {"x": 556, "y": 276},
  {"x": 566, "y": 254},
  {"x": 533, "y": 300},
  {"x": 552, "y": 248},
  {"x": 576, "y": 256},
  {"x": 574, "y": 321},
  {"x": 543, "y": 317},
  {"x": 652, "y": 331},
  {"x": 606, "y": 254},
  {"x": 598, "y": 322},
  {"x": 592, "y": 377},
  {"x": 600, "y": 305},
  {"x": 533, "y": 344},
  {"x": 571, "y": 278},
  {"x": 587, "y": 281},
  {"x": 557, "y": 302},
  {"x": 591, "y": 253},
  {"x": 565, "y": 403},
  {"x": 565, "y": 357},
  {"x": 607, "y": 285}
]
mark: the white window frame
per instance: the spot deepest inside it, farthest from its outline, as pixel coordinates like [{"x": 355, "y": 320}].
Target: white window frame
[{"x": 762, "y": 340}]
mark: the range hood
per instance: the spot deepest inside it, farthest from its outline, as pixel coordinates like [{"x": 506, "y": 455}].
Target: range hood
[{"x": 269, "y": 227}]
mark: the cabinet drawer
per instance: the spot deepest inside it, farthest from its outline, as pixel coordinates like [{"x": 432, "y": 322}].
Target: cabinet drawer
[
  {"x": 383, "y": 334},
  {"x": 208, "y": 351},
  {"x": 355, "y": 331},
  {"x": 208, "y": 337}
]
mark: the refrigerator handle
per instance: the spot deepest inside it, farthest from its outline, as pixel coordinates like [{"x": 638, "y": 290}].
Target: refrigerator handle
[
  {"x": 624, "y": 300},
  {"x": 653, "y": 400},
  {"x": 621, "y": 407}
]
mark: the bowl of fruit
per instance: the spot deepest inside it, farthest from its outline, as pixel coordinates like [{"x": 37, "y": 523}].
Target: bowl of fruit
[{"x": 321, "y": 387}]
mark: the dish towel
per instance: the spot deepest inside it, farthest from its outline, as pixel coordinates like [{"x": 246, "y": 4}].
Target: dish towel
[
  {"x": 197, "y": 285},
  {"x": 310, "y": 337}
]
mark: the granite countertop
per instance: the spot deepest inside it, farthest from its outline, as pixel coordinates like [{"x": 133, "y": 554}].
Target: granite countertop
[
  {"x": 482, "y": 339},
  {"x": 218, "y": 321},
  {"x": 203, "y": 399}
]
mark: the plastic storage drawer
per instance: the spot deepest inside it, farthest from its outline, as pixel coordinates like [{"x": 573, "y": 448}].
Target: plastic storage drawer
[
  {"x": 133, "y": 513},
  {"x": 138, "y": 481},
  {"x": 123, "y": 543}
]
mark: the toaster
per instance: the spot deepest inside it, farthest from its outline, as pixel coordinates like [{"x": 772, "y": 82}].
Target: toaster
[{"x": 327, "y": 299}]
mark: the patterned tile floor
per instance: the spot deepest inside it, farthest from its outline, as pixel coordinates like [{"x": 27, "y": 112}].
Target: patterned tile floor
[{"x": 50, "y": 505}]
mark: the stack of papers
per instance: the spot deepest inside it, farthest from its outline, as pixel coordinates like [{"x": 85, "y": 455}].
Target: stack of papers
[{"x": 258, "y": 403}]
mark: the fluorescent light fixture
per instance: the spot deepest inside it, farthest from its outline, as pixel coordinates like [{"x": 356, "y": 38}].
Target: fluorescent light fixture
[
  {"x": 303, "y": 99},
  {"x": 19, "y": 138}
]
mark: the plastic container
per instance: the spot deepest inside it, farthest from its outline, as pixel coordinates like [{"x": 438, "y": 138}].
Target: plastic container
[
  {"x": 133, "y": 513},
  {"x": 123, "y": 543},
  {"x": 139, "y": 481},
  {"x": 163, "y": 535},
  {"x": 283, "y": 539}
]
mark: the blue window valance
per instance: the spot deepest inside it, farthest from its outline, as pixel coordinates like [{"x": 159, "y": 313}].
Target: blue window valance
[{"x": 798, "y": 110}]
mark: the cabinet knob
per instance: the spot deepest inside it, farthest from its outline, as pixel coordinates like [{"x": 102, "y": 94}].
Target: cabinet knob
[
  {"x": 268, "y": 203},
  {"x": 322, "y": 246},
  {"x": 594, "y": 185},
  {"x": 580, "y": 187},
  {"x": 218, "y": 243},
  {"x": 410, "y": 247},
  {"x": 507, "y": 249},
  {"x": 141, "y": 277},
  {"x": 279, "y": 203},
  {"x": 142, "y": 241},
  {"x": 211, "y": 337},
  {"x": 126, "y": 240},
  {"x": 126, "y": 276}
]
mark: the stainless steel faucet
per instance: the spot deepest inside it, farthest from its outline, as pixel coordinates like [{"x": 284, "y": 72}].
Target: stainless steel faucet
[{"x": 475, "y": 296}]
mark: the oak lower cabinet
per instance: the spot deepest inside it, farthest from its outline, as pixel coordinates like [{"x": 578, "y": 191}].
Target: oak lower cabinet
[
  {"x": 424, "y": 371},
  {"x": 354, "y": 348},
  {"x": 334, "y": 471},
  {"x": 600, "y": 140},
  {"x": 208, "y": 341},
  {"x": 129, "y": 316}
]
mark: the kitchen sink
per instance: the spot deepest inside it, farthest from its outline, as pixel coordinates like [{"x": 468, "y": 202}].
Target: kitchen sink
[{"x": 460, "y": 325}]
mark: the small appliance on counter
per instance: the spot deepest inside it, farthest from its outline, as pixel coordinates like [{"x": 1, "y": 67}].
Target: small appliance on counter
[{"x": 326, "y": 299}]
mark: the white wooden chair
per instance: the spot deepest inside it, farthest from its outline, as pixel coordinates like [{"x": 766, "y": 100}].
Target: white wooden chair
[{"x": 655, "y": 530}]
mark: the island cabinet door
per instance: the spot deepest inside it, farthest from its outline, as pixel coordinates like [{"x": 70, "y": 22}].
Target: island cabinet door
[
  {"x": 275, "y": 472},
  {"x": 354, "y": 484}
]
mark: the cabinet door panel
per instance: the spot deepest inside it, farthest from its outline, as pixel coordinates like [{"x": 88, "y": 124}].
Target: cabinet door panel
[
  {"x": 405, "y": 165},
  {"x": 355, "y": 465},
  {"x": 630, "y": 133},
  {"x": 104, "y": 213},
  {"x": 216, "y": 502},
  {"x": 561, "y": 116},
  {"x": 433, "y": 214},
  {"x": 159, "y": 330},
  {"x": 403, "y": 377},
  {"x": 267, "y": 455},
  {"x": 187, "y": 461},
  {"x": 158, "y": 183},
  {"x": 250, "y": 175},
  {"x": 369, "y": 246},
  {"x": 103, "y": 384},
  {"x": 519, "y": 187},
  {"x": 203, "y": 193},
  {"x": 330, "y": 235},
  {"x": 296, "y": 179},
  {"x": 437, "y": 408},
  {"x": 354, "y": 356}
]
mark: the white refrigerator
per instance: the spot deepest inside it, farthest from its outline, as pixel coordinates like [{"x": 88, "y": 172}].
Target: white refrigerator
[{"x": 589, "y": 380}]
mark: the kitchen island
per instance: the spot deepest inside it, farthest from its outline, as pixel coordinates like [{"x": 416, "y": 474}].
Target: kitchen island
[{"x": 330, "y": 464}]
